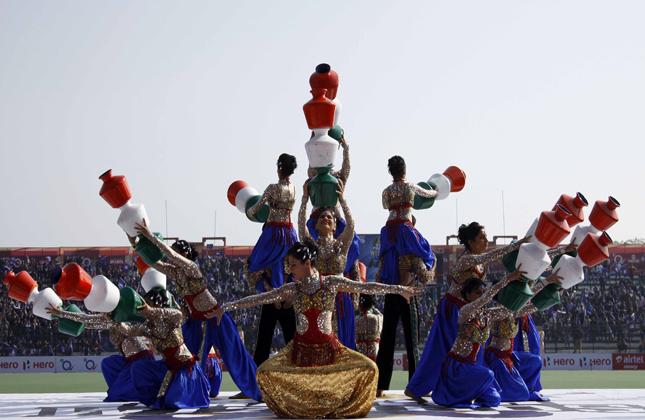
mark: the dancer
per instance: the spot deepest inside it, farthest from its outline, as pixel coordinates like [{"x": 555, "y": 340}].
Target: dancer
[
  {"x": 369, "y": 323},
  {"x": 463, "y": 383},
  {"x": 472, "y": 263},
  {"x": 116, "y": 369},
  {"x": 404, "y": 255},
  {"x": 333, "y": 257},
  {"x": 265, "y": 268},
  {"x": 315, "y": 376},
  {"x": 199, "y": 333},
  {"x": 177, "y": 381},
  {"x": 515, "y": 372}
]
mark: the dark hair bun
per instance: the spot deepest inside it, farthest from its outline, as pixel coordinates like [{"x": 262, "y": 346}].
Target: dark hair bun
[
  {"x": 287, "y": 164},
  {"x": 470, "y": 285},
  {"x": 468, "y": 233},
  {"x": 366, "y": 301},
  {"x": 396, "y": 166},
  {"x": 158, "y": 296},
  {"x": 305, "y": 250},
  {"x": 186, "y": 248}
]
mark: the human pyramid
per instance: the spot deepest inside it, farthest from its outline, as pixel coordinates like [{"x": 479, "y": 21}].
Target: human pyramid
[{"x": 339, "y": 352}]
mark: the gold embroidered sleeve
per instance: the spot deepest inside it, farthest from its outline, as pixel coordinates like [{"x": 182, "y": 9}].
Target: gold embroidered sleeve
[
  {"x": 499, "y": 313},
  {"x": 422, "y": 191},
  {"x": 303, "y": 232},
  {"x": 265, "y": 197},
  {"x": 311, "y": 172},
  {"x": 187, "y": 266},
  {"x": 81, "y": 317},
  {"x": 527, "y": 310},
  {"x": 469, "y": 310},
  {"x": 170, "y": 315},
  {"x": 385, "y": 199},
  {"x": 347, "y": 236},
  {"x": 538, "y": 286},
  {"x": 343, "y": 174},
  {"x": 276, "y": 295},
  {"x": 555, "y": 252},
  {"x": 342, "y": 284},
  {"x": 168, "y": 269},
  {"x": 469, "y": 260},
  {"x": 133, "y": 330}
]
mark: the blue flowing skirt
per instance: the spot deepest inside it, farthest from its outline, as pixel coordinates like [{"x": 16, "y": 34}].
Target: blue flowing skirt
[
  {"x": 466, "y": 385},
  {"x": 511, "y": 382},
  {"x": 117, "y": 372},
  {"x": 533, "y": 336},
  {"x": 440, "y": 340},
  {"x": 529, "y": 366},
  {"x": 346, "y": 320},
  {"x": 354, "y": 251},
  {"x": 188, "y": 388},
  {"x": 407, "y": 240},
  {"x": 270, "y": 251},
  {"x": 226, "y": 338}
]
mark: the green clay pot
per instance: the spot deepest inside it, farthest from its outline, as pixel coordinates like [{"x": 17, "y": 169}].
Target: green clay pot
[
  {"x": 69, "y": 327},
  {"x": 555, "y": 261},
  {"x": 127, "y": 309},
  {"x": 547, "y": 297},
  {"x": 149, "y": 251},
  {"x": 335, "y": 133},
  {"x": 515, "y": 295},
  {"x": 262, "y": 215},
  {"x": 322, "y": 188},
  {"x": 422, "y": 203}
]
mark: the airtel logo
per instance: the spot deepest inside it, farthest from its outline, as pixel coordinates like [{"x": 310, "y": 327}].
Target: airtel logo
[{"x": 629, "y": 359}]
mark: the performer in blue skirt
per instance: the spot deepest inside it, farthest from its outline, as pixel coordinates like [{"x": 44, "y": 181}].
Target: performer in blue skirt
[
  {"x": 471, "y": 263},
  {"x": 199, "y": 333},
  {"x": 177, "y": 381},
  {"x": 515, "y": 372},
  {"x": 463, "y": 383},
  {"x": 116, "y": 369},
  {"x": 404, "y": 256}
]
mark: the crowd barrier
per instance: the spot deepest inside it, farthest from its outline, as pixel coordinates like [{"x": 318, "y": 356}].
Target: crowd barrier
[{"x": 550, "y": 361}]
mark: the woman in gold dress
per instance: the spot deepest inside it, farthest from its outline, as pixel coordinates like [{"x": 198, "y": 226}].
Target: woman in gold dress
[{"x": 315, "y": 376}]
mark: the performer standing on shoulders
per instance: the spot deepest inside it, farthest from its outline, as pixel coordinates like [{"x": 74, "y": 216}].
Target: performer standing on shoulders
[
  {"x": 200, "y": 334},
  {"x": 404, "y": 256},
  {"x": 315, "y": 376},
  {"x": 265, "y": 268},
  {"x": 472, "y": 263},
  {"x": 333, "y": 256}
]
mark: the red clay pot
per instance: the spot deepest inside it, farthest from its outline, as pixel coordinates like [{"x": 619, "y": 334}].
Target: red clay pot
[
  {"x": 325, "y": 78},
  {"x": 20, "y": 285},
  {"x": 594, "y": 248},
  {"x": 115, "y": 189},
  {"x": 71, "y": 282},
  {"x": 233, "y": 189},
  {"x": 552, "y": 227},
  {"x": 574, "y": 205},
  {"x": 319, "y": 111},
  {"x": 457, "y": 178},
  {"x": 604, "y": 214}
]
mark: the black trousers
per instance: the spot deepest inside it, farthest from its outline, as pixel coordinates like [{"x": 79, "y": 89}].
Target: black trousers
[
  {"x": 269, "y": 317},
  {"x": 395, "y": 307}
]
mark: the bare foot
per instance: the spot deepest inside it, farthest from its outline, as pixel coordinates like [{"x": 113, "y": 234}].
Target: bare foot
[
  {"x": 410, "y": 394},
  {"x": 239, "y": 396},
  {"x": 379, "y": 393}
]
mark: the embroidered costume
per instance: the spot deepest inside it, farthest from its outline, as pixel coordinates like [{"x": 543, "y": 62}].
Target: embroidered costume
[{"x": 368, "y": 332}]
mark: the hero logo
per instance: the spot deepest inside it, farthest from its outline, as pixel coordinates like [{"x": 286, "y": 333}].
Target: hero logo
[
  {"x": 89, "y": 364},
  {"x": 67, "y": 365},
  {"x": 28, "y": 365},
  {"x": 594, "y": 362},
  {"x": 9, "y": 365},
  {"x": 562, "y": 361}
]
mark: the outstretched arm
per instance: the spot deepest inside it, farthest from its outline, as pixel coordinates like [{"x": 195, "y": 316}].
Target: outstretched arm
[
  {"x": 276, "y": 295},
  {"x": 265, "y": 197},
  {"x": 343, "y": 174},
  {"x": 342, "y": 284},
  {"x": 467, "y": 261},
  {"x": 303, "y": 232},
  {"x": 423, "y": 192}
]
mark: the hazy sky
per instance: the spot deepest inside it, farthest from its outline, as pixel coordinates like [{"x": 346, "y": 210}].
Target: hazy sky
[{"x": 534, "y": 99}]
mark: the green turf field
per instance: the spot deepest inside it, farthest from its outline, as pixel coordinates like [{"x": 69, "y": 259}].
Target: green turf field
[{"x": 93, "y": 382}]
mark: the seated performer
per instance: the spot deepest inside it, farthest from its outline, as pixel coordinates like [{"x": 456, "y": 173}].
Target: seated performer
[
  {"x": 333, "y": 257},
  {"x": 346, "y": 304},
  {"x": 463, "y": 383},
  {"x": 515, "y": 372},
  {"x": 369, "y": 323},
  {"x": 116, "y": 369},
  {"x": 177, "y": 381},
  {"x": 265, "y": 268},
  {"x": 315, "y": 376},
  {"x": 201, "y": 334},
  {"x": 404, "y": 256}
]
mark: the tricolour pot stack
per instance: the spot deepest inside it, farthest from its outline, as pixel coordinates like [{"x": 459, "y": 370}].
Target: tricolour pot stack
[
  {"x": 242, "y": 196},
  {"x": 452, "y": 179}
]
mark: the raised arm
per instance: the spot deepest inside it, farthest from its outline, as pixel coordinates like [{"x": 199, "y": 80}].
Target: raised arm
[
  {"x": 467, "y": 261},
  {"x": 303, "y": 232},
  {"x": 277, "y": 295},
  {"x": 422, "y": 191},
  {"x": 347, "y": 236},
  {"x": 343, "y": 174},
  {"x": 265, "y": 197}
]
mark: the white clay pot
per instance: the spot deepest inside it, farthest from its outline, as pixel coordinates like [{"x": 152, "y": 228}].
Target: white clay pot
[
  {"x": 41, "y": 301},
  {"x": 131, "y": 214},
  {"x": 443, "y": 184},
  {"x": 580, "y": 232},
  {"x": 322, "y": 150},
  {"x": 570, "y": 270},
  {"x": 104, "y": 296},
  {"x": 153, "y": 278},
  {"x": 243, "y": 196},
  {"x": 534, "y": 259}
]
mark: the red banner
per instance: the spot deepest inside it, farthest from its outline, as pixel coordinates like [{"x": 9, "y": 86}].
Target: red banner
[{"x": 627, "y": 361}]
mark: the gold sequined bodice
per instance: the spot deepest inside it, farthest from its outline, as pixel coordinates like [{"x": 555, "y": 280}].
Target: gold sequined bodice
[
  {"x": 398, "y": 198},
  {"x": 335, "y": 264},
  {"x": 281, "y": 198},
  {"x": 190, "y": 286},
  {"x": 506, "y": 328},
  {"x": 471, "y": 335}
]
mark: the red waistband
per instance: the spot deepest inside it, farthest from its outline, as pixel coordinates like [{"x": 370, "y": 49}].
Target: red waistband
[
  {"x": 378, "y": 340},
  {"x": 279, "y": 224},
  {"x": 401, "y": 206},
  {"x": 173, "y": 363},
  {"x": 139, "y": 355},
  {"x": 455, "y": 300},
  {"x": 194, "y": 313},
  {"x": 460, "y": 358},
  {"x": 397, "y": 221}
]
